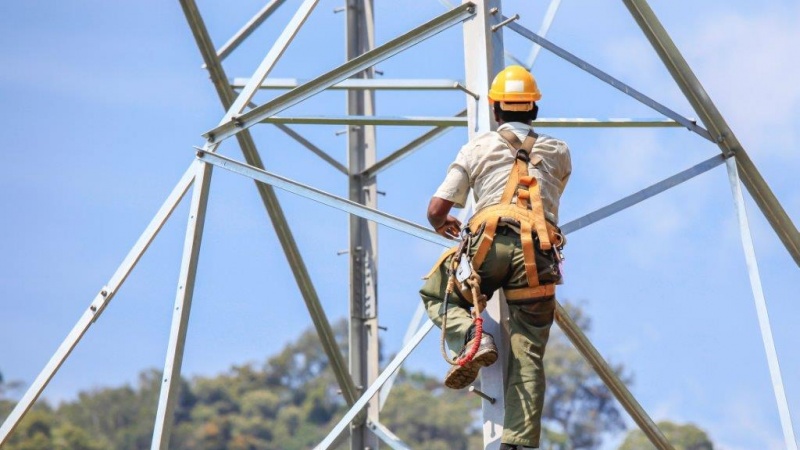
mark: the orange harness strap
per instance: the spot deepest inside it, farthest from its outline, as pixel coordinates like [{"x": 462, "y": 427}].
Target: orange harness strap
[{"x": 528, "y": 211}]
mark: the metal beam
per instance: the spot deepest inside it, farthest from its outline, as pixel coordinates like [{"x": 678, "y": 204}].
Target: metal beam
[
  {"x": 273, "y": 208},
  {"x": 460, "y": 121},
  {"x": 483, "y": 58},
  {"x": 363, "y": 235},
  {"x": 98, "y": 304},
  {"x": 361, "y": 83},
  {"x": 547, "y": 21},
  {"x": 375, "y": 387},
  {"x": 761, "y": 308},
  {"x": 624, "y": 88},
  {"x": 346, "y": 70},
  {"x": 413, "y": 121},
  {"x": 375, "y": 215},
  {"x": 579, "y": 122},
  {"x": 644, "y": 194},
  {"x": 248, "y": 29},
  {"x": 387, "y": 436},
  {"x": 171, "y": 376},
  {"x": 606, "y": 373},
  {"x": 719, "y": 129}
]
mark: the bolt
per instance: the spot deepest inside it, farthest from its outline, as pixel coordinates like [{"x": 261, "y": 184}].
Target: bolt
[
  {"x": 482, "y": 395},
  {"x": 505, "y": 22}
]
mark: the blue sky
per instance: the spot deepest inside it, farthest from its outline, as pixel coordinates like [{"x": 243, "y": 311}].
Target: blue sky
[{"x": 101, "y": 103}]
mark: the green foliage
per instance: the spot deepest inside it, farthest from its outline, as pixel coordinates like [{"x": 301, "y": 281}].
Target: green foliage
[
  {"x": 292, "y": 401},
  {"x": 682, "y": 437},
  {"x": 425, "y": 415}
]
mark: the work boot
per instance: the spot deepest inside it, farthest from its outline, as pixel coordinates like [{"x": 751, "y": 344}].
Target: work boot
[
  {"x": 459, "y": 377},
  {"x": 505, "y": 446}
]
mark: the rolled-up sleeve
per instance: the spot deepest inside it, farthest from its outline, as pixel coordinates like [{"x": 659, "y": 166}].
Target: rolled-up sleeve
[{"x": 455, "y": 186}]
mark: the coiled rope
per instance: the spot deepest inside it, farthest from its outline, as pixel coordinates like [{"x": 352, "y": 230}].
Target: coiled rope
[{"x": 473, "y": 283}]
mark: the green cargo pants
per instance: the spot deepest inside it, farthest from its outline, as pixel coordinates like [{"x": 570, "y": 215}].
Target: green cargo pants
[{"x": 529, "y": 326}]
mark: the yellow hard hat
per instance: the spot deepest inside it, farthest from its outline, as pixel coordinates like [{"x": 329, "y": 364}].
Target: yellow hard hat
[{"x": 515, "y": 89}]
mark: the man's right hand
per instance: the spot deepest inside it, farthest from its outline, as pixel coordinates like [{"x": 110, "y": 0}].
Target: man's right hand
[
  {"x": 450, "y": 228},
  {"x": 440, "y": 219}
]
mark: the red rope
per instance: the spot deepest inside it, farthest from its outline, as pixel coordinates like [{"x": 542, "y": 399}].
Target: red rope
[{"x": 475, "y": 344}]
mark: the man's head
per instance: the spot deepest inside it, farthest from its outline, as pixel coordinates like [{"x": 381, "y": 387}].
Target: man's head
[{"x": 514, "y": 94}]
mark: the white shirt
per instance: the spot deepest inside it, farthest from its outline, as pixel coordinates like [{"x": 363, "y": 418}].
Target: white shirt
[{"x": 484, "y": 164}]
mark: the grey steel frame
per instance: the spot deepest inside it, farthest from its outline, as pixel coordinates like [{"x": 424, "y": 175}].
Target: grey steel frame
[
  {"x": 712, "y": 118},
  {"x": 481, "y": 21}
]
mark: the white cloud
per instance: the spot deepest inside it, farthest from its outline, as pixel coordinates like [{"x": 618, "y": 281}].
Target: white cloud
[
  {"x": 750, "y": 66},
  {"x": 748, "y": 63}
]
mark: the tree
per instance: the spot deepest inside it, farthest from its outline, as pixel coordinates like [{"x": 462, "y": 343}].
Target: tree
[
  {"x": 426, "y": 415},
  {"x": 292, "y": 401},
  {"x": 8, "y": 386},
  {"x": 578, "y": 407},
  {"x": 682, "y": 437}
]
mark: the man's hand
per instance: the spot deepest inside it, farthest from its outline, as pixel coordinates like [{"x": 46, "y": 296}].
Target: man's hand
[
  {"x": 450, "y": 228},
  {"x": 439, "y": 217}
]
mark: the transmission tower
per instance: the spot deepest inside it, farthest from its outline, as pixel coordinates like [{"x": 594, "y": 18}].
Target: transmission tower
[{"x": 362, "y": 381}]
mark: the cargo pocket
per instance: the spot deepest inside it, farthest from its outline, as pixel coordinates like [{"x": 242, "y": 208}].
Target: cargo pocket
[{"x": 538, "y": 314}]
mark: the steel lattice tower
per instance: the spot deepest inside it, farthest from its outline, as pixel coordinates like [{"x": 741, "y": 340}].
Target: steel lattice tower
[{"x": 360, "y": 378}]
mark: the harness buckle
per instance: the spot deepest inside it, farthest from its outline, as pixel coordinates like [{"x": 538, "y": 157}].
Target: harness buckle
[{"x": 522, "y": 155}]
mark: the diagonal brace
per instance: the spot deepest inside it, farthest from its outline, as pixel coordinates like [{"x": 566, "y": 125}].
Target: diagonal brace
[
  {"x": 274, "y": 209},
  {"x": 712, "y": 118},
  {"x": 262, "y": 176},
  {"x": 602, "y": 76},
  {"x": 644, "y": 194}
]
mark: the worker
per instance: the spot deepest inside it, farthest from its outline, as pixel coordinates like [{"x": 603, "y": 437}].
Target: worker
[{"x": 512, "y": 243}]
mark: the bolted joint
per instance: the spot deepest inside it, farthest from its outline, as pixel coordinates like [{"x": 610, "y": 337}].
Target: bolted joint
[{"x": 100, "y": 302}]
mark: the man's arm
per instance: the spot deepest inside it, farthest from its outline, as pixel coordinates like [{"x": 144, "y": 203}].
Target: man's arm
[{"x": 440, "y": 219}]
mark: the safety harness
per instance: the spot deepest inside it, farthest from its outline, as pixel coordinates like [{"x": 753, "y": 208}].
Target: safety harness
[{"x": 520, "y": 206}]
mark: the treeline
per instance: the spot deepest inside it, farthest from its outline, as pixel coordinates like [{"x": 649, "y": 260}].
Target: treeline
[{"x": 293, "y": 401}]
